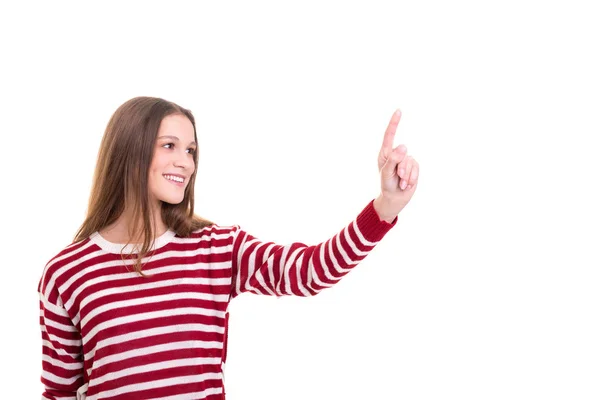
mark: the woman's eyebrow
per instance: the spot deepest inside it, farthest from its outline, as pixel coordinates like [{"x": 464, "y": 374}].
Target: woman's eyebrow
[{"x": 173, "y": 138}]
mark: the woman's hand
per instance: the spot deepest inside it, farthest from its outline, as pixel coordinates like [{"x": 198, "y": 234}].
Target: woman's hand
[{"x": 399, "y": 174}]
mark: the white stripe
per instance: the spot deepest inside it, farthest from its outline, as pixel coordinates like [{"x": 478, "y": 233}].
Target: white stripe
[
  {"x": 360, "y": 235},
  {"x": 326, "y": 269},
  {"x": 150, "y": 315},
  {"x": 156, "y": 384},
  {"x": 57, "y": 379},
  {"x": 62, "y": 341},
  {"x": 324, "y": 266},
  {"x": 146, "y": 333},
  {"x": 157, "y": 366},
  {"x": 59, "y": 326},
  {"x": 315, "y": 276},
  {"x": 333, "y": 259},
  {"x": 152, "y": 299},
  {"x": 59, "y": 351},
  {"x": 359, "y": 253},
  {"x": 145, "y": 351},
  {"x": 75, "y": 365},
  {"x": 299, "y": 276},
  {"x": 340, "y": 248}
]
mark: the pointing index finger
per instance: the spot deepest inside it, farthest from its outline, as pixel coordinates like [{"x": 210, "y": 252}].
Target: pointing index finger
[{"x": 390, "y": 132}]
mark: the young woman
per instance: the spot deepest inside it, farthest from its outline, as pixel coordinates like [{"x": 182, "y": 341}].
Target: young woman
[{"x": 136, "y": 306}]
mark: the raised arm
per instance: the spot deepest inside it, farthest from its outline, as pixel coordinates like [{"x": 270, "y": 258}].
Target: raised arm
[{"x": 302, "y": 270}]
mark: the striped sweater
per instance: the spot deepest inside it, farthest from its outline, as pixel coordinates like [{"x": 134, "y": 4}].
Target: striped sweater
[{"x": 109, "y": 333}]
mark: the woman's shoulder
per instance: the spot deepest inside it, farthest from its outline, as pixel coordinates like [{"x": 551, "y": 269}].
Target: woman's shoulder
[
  {"x": 64, "y": 260},
  {"x": 214, "y": 232}
]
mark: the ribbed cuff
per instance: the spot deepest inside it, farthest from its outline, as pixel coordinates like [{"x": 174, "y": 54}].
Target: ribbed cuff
[{"x": 371, "y": 226}]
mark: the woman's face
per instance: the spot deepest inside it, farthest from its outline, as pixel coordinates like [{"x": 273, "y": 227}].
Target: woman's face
[{"x": 173, "y": 161}]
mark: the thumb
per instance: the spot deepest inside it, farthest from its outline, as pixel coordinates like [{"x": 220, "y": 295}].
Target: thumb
[{"x": 394, "y": 158}]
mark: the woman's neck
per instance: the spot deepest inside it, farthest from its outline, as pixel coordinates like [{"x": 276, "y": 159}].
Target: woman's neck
[{"x": 118, "y": 232}]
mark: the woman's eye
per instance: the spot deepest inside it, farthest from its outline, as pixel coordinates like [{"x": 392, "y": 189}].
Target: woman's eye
[{"x": 192, "y": 150}]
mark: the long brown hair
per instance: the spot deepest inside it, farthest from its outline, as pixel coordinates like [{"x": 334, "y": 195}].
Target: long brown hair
[{"x": 121, "y": 175}]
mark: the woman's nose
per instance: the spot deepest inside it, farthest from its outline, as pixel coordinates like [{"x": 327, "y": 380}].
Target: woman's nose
[{"x": 185, "y": 161}]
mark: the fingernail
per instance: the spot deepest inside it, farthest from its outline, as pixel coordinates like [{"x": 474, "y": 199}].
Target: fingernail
[{"x": 403, "y": 185}]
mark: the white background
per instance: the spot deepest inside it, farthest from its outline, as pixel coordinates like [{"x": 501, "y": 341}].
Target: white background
[{"x": 488, "y": 287}]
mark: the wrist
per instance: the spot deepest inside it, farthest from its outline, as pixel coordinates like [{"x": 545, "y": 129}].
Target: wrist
[{"x": 383, "y": 210}]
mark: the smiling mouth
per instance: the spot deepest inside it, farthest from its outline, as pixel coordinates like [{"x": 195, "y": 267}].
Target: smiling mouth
[{"x": 174, "y": 181}]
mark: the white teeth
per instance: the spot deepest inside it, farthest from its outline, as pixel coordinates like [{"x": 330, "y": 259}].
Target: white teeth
[{"x": 173, "y": 178}]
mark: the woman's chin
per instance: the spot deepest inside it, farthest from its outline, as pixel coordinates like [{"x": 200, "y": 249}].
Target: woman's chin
[{"x": 172, "y": 200}]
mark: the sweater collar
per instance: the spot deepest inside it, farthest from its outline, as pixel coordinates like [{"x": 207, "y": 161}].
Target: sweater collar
[{"x": 117, "y": 248}]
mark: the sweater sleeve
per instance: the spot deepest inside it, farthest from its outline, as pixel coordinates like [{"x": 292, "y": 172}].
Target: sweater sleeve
[
  {"x": 62, "y": 358},
  {"x": 298, "y": 269}
]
